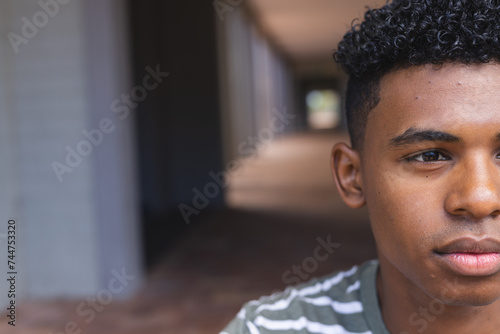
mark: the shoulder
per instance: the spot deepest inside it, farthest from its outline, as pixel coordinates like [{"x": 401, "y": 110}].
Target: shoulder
[{"x": 332, "y": 302}]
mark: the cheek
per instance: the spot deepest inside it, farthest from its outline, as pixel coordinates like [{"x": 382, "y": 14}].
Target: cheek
[
  {"x": 398, "y": 220},
  {"x": 400, "y": 216}
]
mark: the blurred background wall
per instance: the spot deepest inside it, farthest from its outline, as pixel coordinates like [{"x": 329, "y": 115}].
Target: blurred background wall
[
  {"x": 68, "y": 164},
  {"x": 116, "y": 114}
]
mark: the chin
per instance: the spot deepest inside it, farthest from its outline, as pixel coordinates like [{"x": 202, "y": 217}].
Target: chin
[
  {"x": 477, "y": 300},
  {"x": 467, "y": 293}
]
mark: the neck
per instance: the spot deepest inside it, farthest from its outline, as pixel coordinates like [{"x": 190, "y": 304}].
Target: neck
[{"x": 408, "y": 309}]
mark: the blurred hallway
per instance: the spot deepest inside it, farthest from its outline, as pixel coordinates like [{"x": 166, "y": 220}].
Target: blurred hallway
[
  {"x": 292, "y": 176},
  {"x": 283, "y": 206}
]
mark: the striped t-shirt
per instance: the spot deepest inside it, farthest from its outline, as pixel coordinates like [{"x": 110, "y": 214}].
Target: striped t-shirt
[{"x": 341, "y": 303}]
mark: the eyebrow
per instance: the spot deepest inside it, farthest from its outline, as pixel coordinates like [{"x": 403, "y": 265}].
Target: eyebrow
[{"x": 415, "y": 136}]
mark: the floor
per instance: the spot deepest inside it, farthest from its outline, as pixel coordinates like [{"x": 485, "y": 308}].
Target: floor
[{"x": 283, "y": 205}]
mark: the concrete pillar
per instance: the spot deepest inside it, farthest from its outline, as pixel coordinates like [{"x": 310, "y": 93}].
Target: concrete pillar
[
  {"x": 73, "y": 196},
  {"x": 256, "y": 84}
]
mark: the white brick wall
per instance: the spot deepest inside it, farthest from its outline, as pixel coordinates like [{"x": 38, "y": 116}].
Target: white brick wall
[
  {"x": 58, "y": 84},
  {"x": 9, "y": 187}
]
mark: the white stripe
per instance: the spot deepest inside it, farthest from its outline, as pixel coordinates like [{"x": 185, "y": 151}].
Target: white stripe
[
  {"x": 342, "y": 308},
  {"x": 307, "y": 291},
  {"x": 252, "y": 328},
  {"x": 242, "y": 314},
  {"x": 354, "y": 287},
  {"x": 327, "y": 284},
  {"x": 302, "y": 323},
  {"x": 280, "y": 304}
]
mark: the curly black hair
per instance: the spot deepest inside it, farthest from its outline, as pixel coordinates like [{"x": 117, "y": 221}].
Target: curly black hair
[{"x": 407, "y": 33}]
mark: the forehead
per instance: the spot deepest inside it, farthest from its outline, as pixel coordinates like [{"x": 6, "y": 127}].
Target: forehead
[{"x": 448, "y": 98}]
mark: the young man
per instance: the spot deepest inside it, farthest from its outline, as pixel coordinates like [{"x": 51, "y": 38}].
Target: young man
[{"x": 423, "y": 108}]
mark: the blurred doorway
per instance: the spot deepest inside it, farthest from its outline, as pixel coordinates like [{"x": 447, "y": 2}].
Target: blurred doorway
[{"x": 323, "y": 109}]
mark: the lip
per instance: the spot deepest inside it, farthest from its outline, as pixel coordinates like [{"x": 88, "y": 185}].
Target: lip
[{"x": 471, "y": 257}]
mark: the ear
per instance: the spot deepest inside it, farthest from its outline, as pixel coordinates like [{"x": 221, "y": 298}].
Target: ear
[{"x": 346, "y": 167}]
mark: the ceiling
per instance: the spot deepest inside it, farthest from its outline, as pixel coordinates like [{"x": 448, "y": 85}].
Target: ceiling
[{"x": 309, "y": 30}]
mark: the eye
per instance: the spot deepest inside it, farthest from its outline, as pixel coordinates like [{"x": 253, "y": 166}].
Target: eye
[{"x": 429, "y": 156}]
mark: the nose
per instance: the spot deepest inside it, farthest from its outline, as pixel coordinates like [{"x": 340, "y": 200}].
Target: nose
[{"x": 475, "y": 189}]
